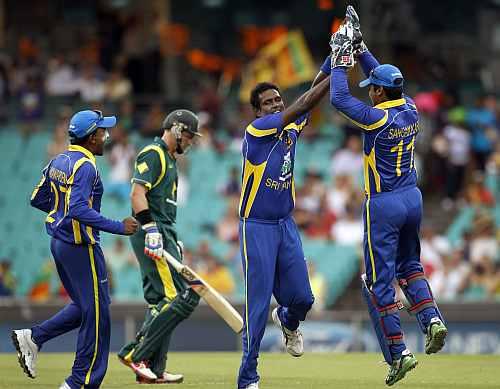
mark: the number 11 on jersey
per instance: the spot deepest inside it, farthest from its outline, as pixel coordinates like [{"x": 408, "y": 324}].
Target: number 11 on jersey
[{"x": 399, "y": 149}]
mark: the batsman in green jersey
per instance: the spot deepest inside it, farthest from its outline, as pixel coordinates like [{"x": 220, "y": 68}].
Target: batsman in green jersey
[{"x": 154, "y": 203}]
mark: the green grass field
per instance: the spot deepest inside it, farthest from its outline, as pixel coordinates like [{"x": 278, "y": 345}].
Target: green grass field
[{"x": 278, "y": 371}]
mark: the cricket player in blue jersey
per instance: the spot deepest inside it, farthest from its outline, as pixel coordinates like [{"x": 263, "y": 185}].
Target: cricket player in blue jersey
[
  {"x": 393, "y": 206},
  {"x": 271, "y": 249},
  {"x": 70, "y": 192}
]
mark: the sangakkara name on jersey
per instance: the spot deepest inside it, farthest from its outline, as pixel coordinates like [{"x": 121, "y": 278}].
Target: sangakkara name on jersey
[{"x": 403, "y": 132}]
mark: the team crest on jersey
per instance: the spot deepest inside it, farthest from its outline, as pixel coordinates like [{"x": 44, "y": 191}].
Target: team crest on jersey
[
  {"x": 286, "y": 139},
  {"x": 286, "y": 167}
]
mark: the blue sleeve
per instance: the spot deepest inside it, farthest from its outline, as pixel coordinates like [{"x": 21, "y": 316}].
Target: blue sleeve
[
  {"x": 79, "y": 209},
  {"x": 266, "y": 127},
  {"x": 299, "y": 124},
  {"x": 327, "y": 65},
  {"x": 359, "y": 113},
  {"x": 40, "y": 198},
  {"x": 367, "y": 62}
]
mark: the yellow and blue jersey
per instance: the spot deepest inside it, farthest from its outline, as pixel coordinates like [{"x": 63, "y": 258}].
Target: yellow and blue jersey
[
  {"x": 70, "y": 192},
  {"x": 389, "y": 129},
  {"x": 268, "y": 189}
]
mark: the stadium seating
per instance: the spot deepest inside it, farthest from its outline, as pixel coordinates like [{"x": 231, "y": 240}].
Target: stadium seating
[{"x": 26, "y": 244}]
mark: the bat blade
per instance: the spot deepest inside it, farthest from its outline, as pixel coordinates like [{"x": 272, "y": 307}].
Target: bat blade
[{"x": 213, "y": 298}]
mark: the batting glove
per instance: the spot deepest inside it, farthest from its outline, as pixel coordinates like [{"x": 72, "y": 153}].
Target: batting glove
[
  {"x": 358, "y": 44},
  {"x": 341, "y": 45},
  {"x": 153, "y": 243}
]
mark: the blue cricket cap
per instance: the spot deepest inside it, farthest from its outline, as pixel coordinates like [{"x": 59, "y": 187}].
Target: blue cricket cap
[
  {"x": 84, "y": 123},
  {"x": 384, "y": 75}
]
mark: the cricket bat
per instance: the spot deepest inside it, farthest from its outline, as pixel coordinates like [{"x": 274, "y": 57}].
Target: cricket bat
[{"x": 213, "y": 298}]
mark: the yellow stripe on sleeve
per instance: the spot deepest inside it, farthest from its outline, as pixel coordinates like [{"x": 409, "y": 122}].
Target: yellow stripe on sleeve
[
  {"x": 368, "y": 127},
  {"x": 260, "y": 133},
  {"x": 37, "y": 188},
  {"x": 296, "y": 127},
  {"x": 96, "y": 305}
]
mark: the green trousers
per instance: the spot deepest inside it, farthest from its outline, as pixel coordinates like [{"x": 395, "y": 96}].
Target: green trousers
[{"x": 169, "y": 299}]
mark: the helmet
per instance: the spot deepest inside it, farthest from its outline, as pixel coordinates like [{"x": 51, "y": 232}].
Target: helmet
[{"x": 181, "y": 120}]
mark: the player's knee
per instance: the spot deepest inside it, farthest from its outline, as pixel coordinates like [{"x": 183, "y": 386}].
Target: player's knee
[{"x": 185, "y": 303}]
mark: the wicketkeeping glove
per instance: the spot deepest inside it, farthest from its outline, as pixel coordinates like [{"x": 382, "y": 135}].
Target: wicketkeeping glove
[
  {"x": 341, "y": 45},
  {"x": 153, "y": 243},
  {"x": 357, "y": 41}
]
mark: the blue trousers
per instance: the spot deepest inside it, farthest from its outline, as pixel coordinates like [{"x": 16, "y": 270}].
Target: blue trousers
[
  {"x": 273, "y": 264},
  {"x": 392, "y": 250},
  {"x": 82, "y": 271}
]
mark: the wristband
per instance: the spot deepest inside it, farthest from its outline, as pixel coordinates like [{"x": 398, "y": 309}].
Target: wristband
[{"x": 144, "y": 217}]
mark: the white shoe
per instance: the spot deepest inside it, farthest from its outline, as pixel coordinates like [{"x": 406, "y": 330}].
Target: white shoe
[
  {"x": 254, "y": 385},
  {"x": 292, "y": 340},
  {"x": 140, "y": 369},
  {"x": 64, "y": 385},
  {"x": 166, "y": 378},
  {"x": 27, "y": 351}
]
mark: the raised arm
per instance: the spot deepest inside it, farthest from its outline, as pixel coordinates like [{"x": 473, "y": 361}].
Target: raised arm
[
  {"x": 306, "y": 102},
  {"x": 361, "y": 114}
]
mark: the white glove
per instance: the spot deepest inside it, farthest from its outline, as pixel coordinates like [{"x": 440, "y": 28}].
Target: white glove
[
  {"x": 153, "y": 243},
  {"x": 341, "y": 45}
]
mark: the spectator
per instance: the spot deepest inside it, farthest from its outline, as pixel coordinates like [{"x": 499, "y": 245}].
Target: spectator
[
  {"x": 483, "y": 122},
  {"x": 339, "y": 195},
  {"x": 349, "y": 230},
  {"x": 458, "y": 148},
  {"x": 483, "y": 242},
  {"x": 7, "y": 279},
  {"x": 309, "y": 197},
  {"x": 59, "y": 142},
  {"x": 449, "y": 280},
  {"x": 91, "y": 86},
  {"x": 433, "y": 248},
  {"x": 121, "y": 158},
  {"x": 349, "y": 159},
  {"x": 31, "y": 105},
  {"x": 217, "y": 276},
  {"x": 61, "y": 79},
  {"x": 153, "y": 120},
  {"x": 232, "y": 186},
  {"x": 481, "y": 283},
  {"x": 117, "y": 87},
  {"x": 41, "y": 289},
  {"x": 477, "y": 194},
  {"x": 227, "y": 227},
  {"x": 127, "y": 116}
]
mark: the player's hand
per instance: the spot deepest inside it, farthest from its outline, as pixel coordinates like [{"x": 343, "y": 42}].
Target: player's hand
[
  {"x": 153, "y": 243},
  {"x": 131, "y": 225},
  {"x": 341, "y": 45},
  {"x": 357, "y": 40}
]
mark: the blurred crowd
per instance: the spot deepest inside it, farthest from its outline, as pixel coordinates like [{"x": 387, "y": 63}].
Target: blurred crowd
[{"x": 458, "y": 159}]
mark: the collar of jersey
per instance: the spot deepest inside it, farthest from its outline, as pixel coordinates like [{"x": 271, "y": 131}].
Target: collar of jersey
[
  {"x": 391, "y": 103},
  {"x": 161, "y": 142},
  {"x": 82, "y": 150}
]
